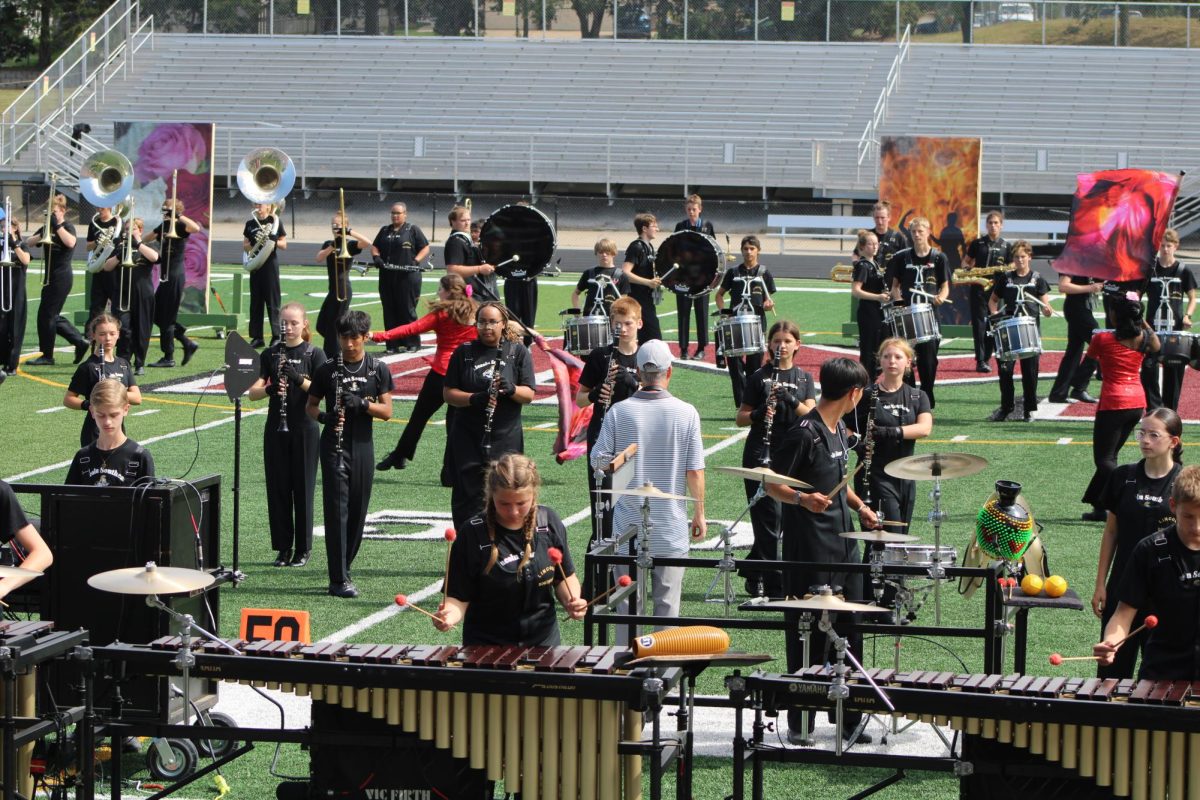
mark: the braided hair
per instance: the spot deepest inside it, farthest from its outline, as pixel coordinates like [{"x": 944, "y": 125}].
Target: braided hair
[{"x": 512, "y": 472}]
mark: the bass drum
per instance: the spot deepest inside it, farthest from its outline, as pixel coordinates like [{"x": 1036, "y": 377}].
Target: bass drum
[
  {"x": 699, "y": 259},
  {"x": 519, "y": 240}
]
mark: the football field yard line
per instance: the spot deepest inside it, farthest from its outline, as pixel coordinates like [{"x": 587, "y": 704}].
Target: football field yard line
[{"x": 391, "y": 610}]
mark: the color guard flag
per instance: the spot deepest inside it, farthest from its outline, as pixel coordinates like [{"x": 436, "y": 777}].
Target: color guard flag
[{"x": 1117, "y": 221}]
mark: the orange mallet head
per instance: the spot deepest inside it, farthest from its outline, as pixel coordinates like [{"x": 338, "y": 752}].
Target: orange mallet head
[
  {"x": 451, "y": 535},
  {"x": 624, "y": 580},
  {"x": 1056, "y": 659},
  {"x": 1151, "y": 621},
  {"x": 556, "y": 556}
]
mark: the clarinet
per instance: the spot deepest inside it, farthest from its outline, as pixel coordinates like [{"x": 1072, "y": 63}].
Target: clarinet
[
  {"x": 869, "y": 445},
  {"x": 339, "y": 410},
  {"x": 100, "y": 352},
  {"x": 610, "y": 381},
  {"x": 769, "y": 417},
  {"x": 282, "y": 389},
  {"x": 489, "y": 411}
]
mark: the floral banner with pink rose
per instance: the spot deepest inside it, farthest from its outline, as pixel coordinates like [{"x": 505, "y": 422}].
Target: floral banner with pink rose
[{"x": 157, "y": 150}]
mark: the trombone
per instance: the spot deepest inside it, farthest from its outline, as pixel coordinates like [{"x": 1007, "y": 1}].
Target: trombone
[
  {"x": 106, "y": 179},
  {"x": 6, "y": 262},
  {"x": 169, "y": 233},
  {"x": 47, "y": 241},
  {"x": 341, "y": 277},
  {"x": 125, "y": 281}
]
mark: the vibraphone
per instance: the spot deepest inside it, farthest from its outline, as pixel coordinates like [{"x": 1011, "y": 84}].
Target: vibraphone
[
  {"x": 548, "y": 722},
  {"x": 1137, "y": 739}
]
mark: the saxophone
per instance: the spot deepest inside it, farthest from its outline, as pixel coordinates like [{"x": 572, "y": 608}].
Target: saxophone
[
  {"x": 869, "y": 445},
  {"x": 282, "y": 389},
  {"x": 339, "y": 410},
  {"x": 772, "y": 400},
  {"x": 489, "y": 410},
  {"x": 610, "y": 381}
]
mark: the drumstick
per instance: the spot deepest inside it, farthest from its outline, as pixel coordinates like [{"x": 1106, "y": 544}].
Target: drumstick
[
  {"x": 450, "y": 535},
  {"x": 844, "y": 481},
  {"x": 516, "y": 257},
  {"x": 663, "y": 277},
  {"x": 556, "y": 558}
]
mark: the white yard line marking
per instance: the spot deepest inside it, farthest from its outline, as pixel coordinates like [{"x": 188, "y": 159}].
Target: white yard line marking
[
  {"x": 1065, "y": 440},
  {"x": 959, "y": 438},
  {"x": 51, "y": 410},
  {"x": 146, "y": 412}
]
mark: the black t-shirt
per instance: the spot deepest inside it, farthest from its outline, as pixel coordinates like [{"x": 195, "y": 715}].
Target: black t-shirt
[
  {"x": 1141, "y": 505},
  {"x": 931, "y": 271},
  {"x": 1164, "y": 575},
  {"x": 171, "y": 250},
  {"x": 640, "y": 254},
  {"x": 890, "y": 243},
  {"x": 1177, "y": 280},
  {"x": 142, "y": 271},
  {"x": 988, "y": 252},
  {"x": 12, "y": 516},
  {"x": 758, "y": 386},
  {"x": 336, "y": 268},
  {"x": 59, "y": 254},
  {"x": 1079, "y": 304},
  {"x": 250, "y": 232},
  {"x": 400, "y": 246},
  {"x": 306, "y": 359},
  {"x": 868, "y": 273},
  {"x": 1034, "y": 285},
  {"x": 507, "y": 606},
  {"x": 460, "y": 250},
  {"x": 470, "y": 370},
  {"x": 123, "y": 466},
  {"x": 91, "y": 372},
  {"x": 760, "y": 288},
  {"x": 368, "y": 378},
  {"x": 892, "y": 409},
  {"x": 95, "y": 226},
  {"x": 704, "y": 227},
  {"x": 617, "y": 286},
  {"x": 595, "y": 372}
]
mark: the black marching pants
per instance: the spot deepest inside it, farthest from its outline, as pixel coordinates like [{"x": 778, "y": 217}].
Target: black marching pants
[
  {"x": 1076, "y": 369},
  {"x": 1172, "y": 383},
  {"x": 290, "y": 461},
  {"x": 140, "y": 322},
  {"x": 346, "y": 494},
  {"x": 399, "y": 290},
  {"x": 685, "y": 305},
  {"x": 870, "y": 336},
  {"x": 979, "y": 325},
  {"x": 13, "y": 323},
  {"x": 927, "y": 364},
  {"x": 1110, "y": 431},
  {"x": 50, "y": 321},
  {"x": 521, "y": 297},
  {"x": 167, "y": 298},
  {"x": 265, "y": 293},
  {"x": 1029, "y": 382},
  {"x": 429, "y": 400}
]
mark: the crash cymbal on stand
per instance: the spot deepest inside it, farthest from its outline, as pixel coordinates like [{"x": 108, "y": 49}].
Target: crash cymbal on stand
[
  {"x": 766, "y": 475},
  {"x": 832, "y": 603},
  {"x": 647, "y": 491},
  {"x": 18, "y": 572},
  {"x": 151, "y": 579},
  {"x": 930, "y": 466}
]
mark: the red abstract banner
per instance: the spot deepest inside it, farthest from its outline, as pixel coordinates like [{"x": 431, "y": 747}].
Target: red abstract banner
[{"x": 1117, "y": 221}]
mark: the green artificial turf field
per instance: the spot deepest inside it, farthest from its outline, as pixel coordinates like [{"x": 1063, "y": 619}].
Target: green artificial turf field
[{"x": 191, "y": 438}]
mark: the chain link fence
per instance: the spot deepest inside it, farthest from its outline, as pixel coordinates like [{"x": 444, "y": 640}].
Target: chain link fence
[{"x": 1042, "y": 22}]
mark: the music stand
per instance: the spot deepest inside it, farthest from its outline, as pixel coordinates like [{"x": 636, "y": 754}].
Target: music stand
[{"x": 241, "y": 371}]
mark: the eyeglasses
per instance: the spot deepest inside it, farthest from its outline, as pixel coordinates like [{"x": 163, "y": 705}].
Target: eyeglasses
[
  {"x": 1152, "y": 436},
  {"x": 488, "y": 323}
]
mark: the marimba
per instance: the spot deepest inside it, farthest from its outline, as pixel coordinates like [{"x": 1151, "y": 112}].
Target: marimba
[
  {"x": 1137, "y": 739},
  {"x": 548, "y": 721}
]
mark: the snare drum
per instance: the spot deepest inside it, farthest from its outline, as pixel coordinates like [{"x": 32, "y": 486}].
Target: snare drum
[
  {"x": 1016, "y": 338},
  {"x": 918, "y": 555},
  {"x": 916, "y": 323},
  {"x": 1177, "y": 347},
  {"x": 741, "y": 335},
  {"x": 582, "y": 335}
]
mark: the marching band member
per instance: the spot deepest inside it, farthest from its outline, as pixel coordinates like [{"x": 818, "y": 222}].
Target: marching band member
[
  {"x": 869, "y": 287},
  {"x": 141, "y": 293},
  {"x": 452, "y": 318},
  {"x": 398, "y": 250},
  {"x": 357, "y": 389},
  {"x": 462, "y": 256},
  {"x": 501, "y": 582},
  {"x": 17, "y": 532},
  {"x": 1076, "y": 369},
  {"x": 337, "y": 298},
  {"x": 986, "y": 251},
  {"x": 1137, "y": 499},
  {"x": 1169, "y": 283},
  {"x": 760, "y": 288},
  {"x": 890, "y": 241},
  {"x": 290, "y": 436},
  {"x": 1021, "y": 291},
  {"x": 169, "y": 293},
  {"x": 643, "y": 276},
  {"x": 12, "y": 323},
  {"x": 264, "y": 281},
  {"x": 1122, "y": 398},
  {"x": 816, "y": 450},
  {"x": 684, "y": 303},
  {"x": 1162, "y": 575},
  {"x": 102, "y": 292},
  {"x": 609, "y": 376},
  {"x": 50, "y": 321},
  {"x": 894, "y": 415},
  {"x": 112, "y": 458},
  {"x": 488, "y": 381},
  {"x": 615, "y": 282},
  {"x": 921, "y": 267},
  {"x": 104, "y": 330},
  {"x": 784, "y": 392}
]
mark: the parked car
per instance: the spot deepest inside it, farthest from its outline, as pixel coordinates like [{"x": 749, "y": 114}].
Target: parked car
[
  {"x": 632, "y": 22},
  {"x": 1016, "y": 12},
  {"x": 1112, "y": 11}
]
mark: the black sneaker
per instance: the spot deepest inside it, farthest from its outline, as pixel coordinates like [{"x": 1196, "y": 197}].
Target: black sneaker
[
  {"x": 300, "y": 559},
  {"x": 863, "y": 738},
  {"x": 163, "y": 362},
  {"x": 392, "y": 460},
  {"x": 1095, "y": 515},
  {"x": 40, "y": 361},
  {"x": 1058, "y": 398},
  {"x": 999, "y": 415},
  {"x": 81, "y": 351},
  {"x": 346, "y": 589},
  {"x": 189, "y": 350},
  {"x": 1082, "y": 396},
  {"x": 982, "y": 366},
  {"x": 412, "y": 348},
  {"x": 257, "y": 343},
  {"x": 139, "y": 370},
  {"x": 283, "y": 558}
]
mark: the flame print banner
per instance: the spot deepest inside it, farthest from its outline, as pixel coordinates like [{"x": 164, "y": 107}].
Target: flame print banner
[
  {"x": 936, "y": 178},
  {"x": 1118, "y": 217}
]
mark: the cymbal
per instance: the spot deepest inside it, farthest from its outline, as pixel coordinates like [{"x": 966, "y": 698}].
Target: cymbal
[
  {"x": 646, "y": 491},
  {"x": 879, "y": 536},
  {"x": 928, "y": 466},
  {"x": 19, "y": 572},
  {"x": 766, "y": 475},
  {"x": 823, "y": 602},
  {"x": 151, "y": 579}
]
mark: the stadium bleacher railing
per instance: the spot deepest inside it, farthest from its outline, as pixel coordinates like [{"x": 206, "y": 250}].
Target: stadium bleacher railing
[{"x": 1040, "y": 22}]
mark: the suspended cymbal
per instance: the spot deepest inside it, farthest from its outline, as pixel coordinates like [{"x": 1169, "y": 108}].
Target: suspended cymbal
[
  {"x": 647, "y": 491},
  {"x": 151, "y": 579},
  {"x": 823, "y": 602},
  {"x": 886, "y": 537},
  {"x": 928, "y": 466},
  {"x": 766, "y": 475},
  {"x": 18, "y": 572}
]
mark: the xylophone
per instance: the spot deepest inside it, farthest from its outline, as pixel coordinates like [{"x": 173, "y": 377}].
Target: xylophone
[
  {"x": 548, "y": 721},
  {"x": 1134, "y": 738}
]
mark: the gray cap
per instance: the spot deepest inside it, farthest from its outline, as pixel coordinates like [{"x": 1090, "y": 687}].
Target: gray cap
[{"x": 654, "y": 356}]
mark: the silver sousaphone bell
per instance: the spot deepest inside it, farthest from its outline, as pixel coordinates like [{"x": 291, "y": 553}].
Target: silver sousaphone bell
[
  {"x": 106, "y": 179},
  {"x": 265, "y": 176}
]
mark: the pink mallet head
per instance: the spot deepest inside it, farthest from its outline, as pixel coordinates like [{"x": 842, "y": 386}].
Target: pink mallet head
[
  {"x": 556, "y": 556},
  {"x": 1055, "y": 659},
  {"x": 624, "y": 580},
  {"x": 1151, "y": 621},
  {"x": 401, "y": 599},
  {"x": 450, "y": 534}
]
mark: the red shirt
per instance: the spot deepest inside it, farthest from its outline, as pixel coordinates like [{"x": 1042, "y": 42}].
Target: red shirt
[
  {"x": 1121, "y": 367},
  {"x": 450, "y": 335}
]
